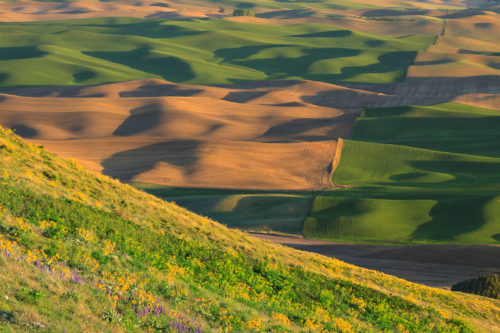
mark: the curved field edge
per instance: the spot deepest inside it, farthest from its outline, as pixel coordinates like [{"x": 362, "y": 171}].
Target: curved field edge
[
  {"x": 404, "y": 194},
  {"x": 122, "y": 243},
  {"x": 212, "y": 51},
  {"x": 415, "y": 174}
]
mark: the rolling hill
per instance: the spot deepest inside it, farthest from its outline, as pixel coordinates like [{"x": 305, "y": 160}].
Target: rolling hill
[
  {"x": 423, "y": 173},
  {"x": 210, "y": 51},
  {"x": 100, "y": 255},
  {"x": 372, "y": 124}
]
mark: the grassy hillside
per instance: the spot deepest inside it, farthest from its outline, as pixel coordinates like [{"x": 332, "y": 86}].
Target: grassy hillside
[
  {"x": 304, "y": 4},
  {"x": 415, "y": 174},
  {"x": 246, "y": 210},
  {"x": 212, "y": 51},
  {"x": 90, "y": 253},
  {"x": 448, "y": 192},
  {"x": 449, "y": 127}
]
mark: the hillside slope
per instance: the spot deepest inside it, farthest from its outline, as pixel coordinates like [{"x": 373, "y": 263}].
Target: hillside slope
[
  {"x": 210, "y": 51},
  {"x": 416, "y": 174},
  {"x": 100, "y": 255}
]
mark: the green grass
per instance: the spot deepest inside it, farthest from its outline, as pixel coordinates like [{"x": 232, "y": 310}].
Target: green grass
[
  {"x": 247, "y": 210},
  {"x": 81, "y": 251},
  {"x": 447, "y": 127},
  {"x": 446, "y": 193},
  {"x": 376, "y": 220},
  {"x": 289, "y": 4},
  {"x": 212, "y": 51},
  {"x": 397, "y": 192}
]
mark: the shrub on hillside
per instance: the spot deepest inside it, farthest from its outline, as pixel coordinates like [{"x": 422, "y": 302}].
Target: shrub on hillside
[
  {"x": 484, "y": 285},
  {"x": 243, "y": 12}
]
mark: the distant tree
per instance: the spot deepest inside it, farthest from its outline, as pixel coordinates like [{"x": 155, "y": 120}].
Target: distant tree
[
  {"x": 221, "y": 10},
  {"x": 484, "y": 285},
  {"x": 243, "y": 12}
]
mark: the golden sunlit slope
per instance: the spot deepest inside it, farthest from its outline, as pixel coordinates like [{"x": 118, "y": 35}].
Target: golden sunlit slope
[
  {"x": 158, "y": 132},
  {"x": 266, "y": 135},
  {"x": 469, "y": 45},
  {"x": 18, "y": 11},
  {"x": 154, "y": 131},
  {"x": 100, "y": 255}
]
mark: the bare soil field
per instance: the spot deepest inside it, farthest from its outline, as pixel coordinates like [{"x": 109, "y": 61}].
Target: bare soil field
[
  {"x": 468, "y": 45},
  {"x": 260, "y": 135},
  {"x": 433, "y": 265},
  {"x": 157, "y": 132},
  {"x": 21, "y": 11}
]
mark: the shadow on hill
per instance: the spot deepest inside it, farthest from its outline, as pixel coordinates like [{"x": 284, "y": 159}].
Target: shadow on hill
[
  {"x": 483, "y": 24},
  {"x": 141, "y": 119},
  {"x": 392, "y": 12},
  {"x": 24, "y": 131},
  {"x": 433, "y": 62},
  {"x": 453, "y": 218},
  {"x": 287, "y": 13},
  {"x": 464, "y": 135},
  {"x": 289, "y": 104},
  {"x": 245, "y": 4},
  {"x": 160, "y": 90},
  {"x": 127, "y": 164},
  {"x": 84, "y": 75},
  {"x": 462, "y": 14},
  {"x": 20, "y": 52},
  {"x": 261, "y": 84},
  {"x": 283, "y": 67},
  {"x": 387, "y": 63},
  {"x": 326, "y": 34},
  {"x": 262, "y": 212},
  {"x": 147, "y": 60},
  {"x": 374, "y": 43},
  {"x": 411, "y": 92},
  {"x": 67, "y": 92},
  {"x": 178, "y": 16},
  {"x": 297, "y": 129},
  {"x": 160, "y": 4},
  {"x": 447, "y": 173},
  {"x": 243, "y": 96},
  {"x": 465, "y": 173},
  {"x": 485, "y": 53},
  {"x": 148, "y": 28},
  {"x": 243, "y": 52}
]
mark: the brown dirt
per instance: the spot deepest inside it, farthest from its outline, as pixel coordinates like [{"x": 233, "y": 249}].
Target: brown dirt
[
  {"x": 433, "y": 265},
  {"x": 258, "y": 135},
  {"x": 465, "y": 47},
  {"x": 19, "y": 11},
  {"x": 157, "y": 132}
]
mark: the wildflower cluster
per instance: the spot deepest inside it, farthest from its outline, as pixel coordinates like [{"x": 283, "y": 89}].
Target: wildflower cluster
[
  {"x": 39, "y": 259},
  {"x": 143, "y": 272},
  {"x": 127, "y": 289},
  {"x": 18, "y": 227},
  {"x": 87, "y": 235},
  {"x": 183, "y": 324}
]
